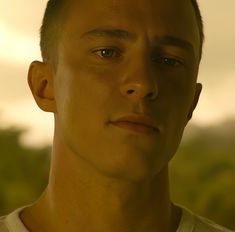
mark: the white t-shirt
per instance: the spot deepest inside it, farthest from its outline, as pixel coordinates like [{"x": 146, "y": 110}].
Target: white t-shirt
[{"x": 189, "y": 223}]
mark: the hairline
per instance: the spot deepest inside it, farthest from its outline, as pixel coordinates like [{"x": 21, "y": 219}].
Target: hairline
[{"x": 51, "y": 55}]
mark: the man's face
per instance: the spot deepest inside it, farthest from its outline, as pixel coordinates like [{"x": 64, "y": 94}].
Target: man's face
[{"x": 158, "y": 55}]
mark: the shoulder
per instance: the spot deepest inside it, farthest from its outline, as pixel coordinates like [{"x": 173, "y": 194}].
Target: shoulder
[
  {"x": 12, "y": 222},
  {"x": 204, "y": 224},
  {"x": 3, "y": 227},
  {"x": 195, "y": 223}
]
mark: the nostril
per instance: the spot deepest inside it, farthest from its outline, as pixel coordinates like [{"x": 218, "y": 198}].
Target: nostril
[
  {"x": 150, "y": 95},
  {"x": 130, "y": 91}
]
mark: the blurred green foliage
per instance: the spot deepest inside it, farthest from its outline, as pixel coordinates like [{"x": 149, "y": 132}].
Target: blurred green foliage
[
  {"x": 23, "y": 171},
  {"x": 202, "y": 174}
]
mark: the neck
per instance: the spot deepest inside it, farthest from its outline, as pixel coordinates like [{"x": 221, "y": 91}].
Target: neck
[{"x": 75, "y": 200}]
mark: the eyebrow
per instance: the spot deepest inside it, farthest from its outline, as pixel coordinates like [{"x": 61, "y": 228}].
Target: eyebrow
[
  {"x": 110, "y": 33},
  {"x": 126, "y": 35},
  {"x": 174, "y": 41}
]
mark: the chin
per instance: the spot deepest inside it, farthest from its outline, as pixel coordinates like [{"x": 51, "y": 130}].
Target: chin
[{"x": 133, "y": 171}]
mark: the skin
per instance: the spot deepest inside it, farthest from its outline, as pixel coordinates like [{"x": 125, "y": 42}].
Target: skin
[{"x": 104, "y": 178}]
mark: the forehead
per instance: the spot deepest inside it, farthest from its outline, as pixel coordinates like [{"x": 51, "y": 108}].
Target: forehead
[{"x": 149, "y": 18}]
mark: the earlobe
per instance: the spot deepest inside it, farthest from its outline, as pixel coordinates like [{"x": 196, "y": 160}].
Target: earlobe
[
  {"x": 195, "y": 100},
  {"x": 40, "y": 80}
]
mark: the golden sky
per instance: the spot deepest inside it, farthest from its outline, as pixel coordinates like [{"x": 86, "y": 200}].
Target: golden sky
[{"x": 19, "y": 45}]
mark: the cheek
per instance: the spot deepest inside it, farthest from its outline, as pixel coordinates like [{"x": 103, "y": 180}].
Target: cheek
[
  {"x": 81, "y": 100},
  {"x": 179, "y": 99},
  {"x": 176, "y": 98},
  {"x": 177, "y": 89}
]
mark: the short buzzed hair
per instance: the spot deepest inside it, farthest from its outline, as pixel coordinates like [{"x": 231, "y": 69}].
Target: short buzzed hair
[
  {"x": 51, "y": 28},
  {"x": 55, "y": 17}
]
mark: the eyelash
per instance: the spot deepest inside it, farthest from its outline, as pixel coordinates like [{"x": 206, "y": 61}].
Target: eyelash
[
  {"x": 172, "y": 62},
  {"x": 168, "y": 61},
  {"x": 107, "y": 49}
]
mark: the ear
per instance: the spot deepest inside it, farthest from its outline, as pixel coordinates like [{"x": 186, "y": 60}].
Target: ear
[
  {"x": 195, "y": 100},
  {"x": 40, "y": 80}
]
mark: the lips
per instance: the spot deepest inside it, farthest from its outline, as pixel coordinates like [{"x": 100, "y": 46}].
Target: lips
[{"x": 137, "y": 122}]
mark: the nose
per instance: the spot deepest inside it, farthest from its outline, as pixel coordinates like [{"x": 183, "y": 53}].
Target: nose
[{"x": 140, "y": 81}]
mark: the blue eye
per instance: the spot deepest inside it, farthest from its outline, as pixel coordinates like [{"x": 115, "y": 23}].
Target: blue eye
[
  {"x": 107, "y": 53},
  {"x": 169, "y": 62}
]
